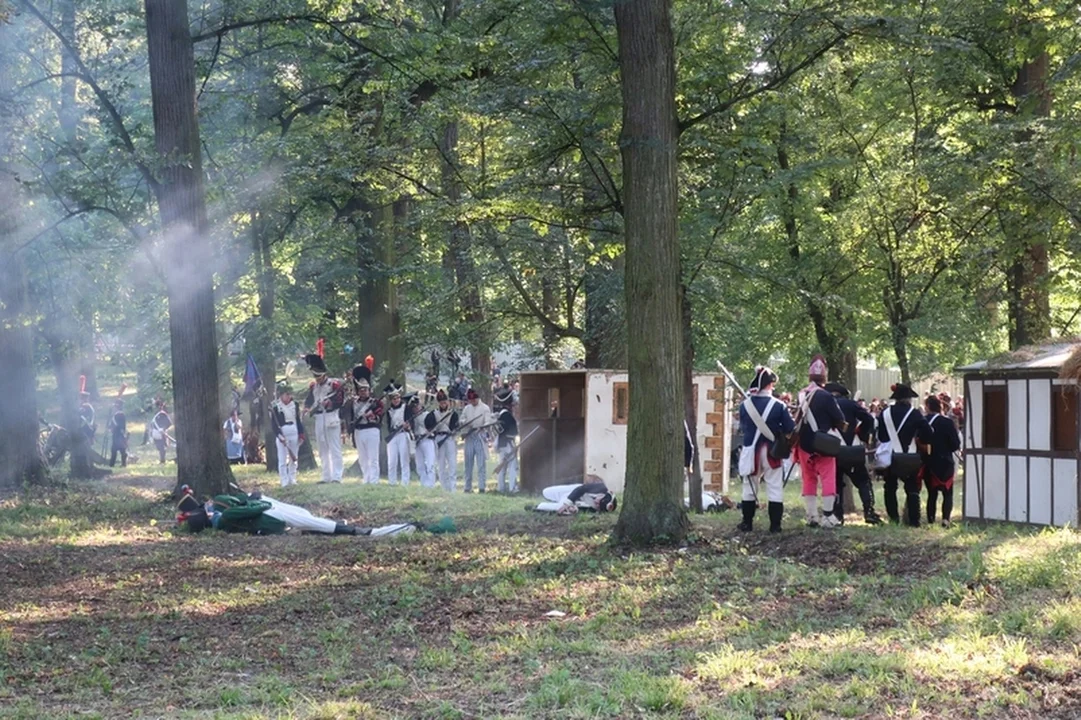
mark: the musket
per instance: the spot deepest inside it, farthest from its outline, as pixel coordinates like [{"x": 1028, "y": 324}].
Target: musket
[
  {"x": 505, "y": 461},
  {"x": 458, "y": 430},
  {"x": 292, "y": 455},
  {"x": 731, "y": 378}
]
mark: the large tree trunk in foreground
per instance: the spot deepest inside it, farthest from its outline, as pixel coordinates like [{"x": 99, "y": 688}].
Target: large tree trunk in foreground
[
  {"x": 21, "y": 461},
  {"x": 186, "y": 249},
  {"x": 652, "y": 499}
]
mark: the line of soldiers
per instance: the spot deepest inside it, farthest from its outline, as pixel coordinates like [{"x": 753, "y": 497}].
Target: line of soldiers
[
  {"x": 404, "y": 420},
  {"x": 829, "y": 438}
]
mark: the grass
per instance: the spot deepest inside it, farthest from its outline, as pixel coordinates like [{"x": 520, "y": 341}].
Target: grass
[{"x": 106, "y": 612}]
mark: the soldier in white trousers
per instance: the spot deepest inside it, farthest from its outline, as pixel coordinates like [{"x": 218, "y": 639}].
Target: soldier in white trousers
[
  {"x": 442, "y": 423},
  {"x": 325, "y": 398},
  {"x": 366, "y": 413},
  {"x": 425, "y": 444},
  {"x": 399, "y": 422},
  {"x": 475, "y": 416},
  {"x": 288, "y": 433}
]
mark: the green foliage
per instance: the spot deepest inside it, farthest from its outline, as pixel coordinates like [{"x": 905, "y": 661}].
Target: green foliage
[{"x": 855, "y": 176}]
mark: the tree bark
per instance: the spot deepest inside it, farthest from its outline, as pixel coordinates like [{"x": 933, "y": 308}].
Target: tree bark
[
  {"x": 1028, "y": 277},
  {"x": 377, "y": 302},
  {"x": 652, "y": 499},
  {"x": 22, "y": 462},
  {"x": 834, "y": 343},
  {"x": 186, "y": 249},
  {"x": 69, "y": 110}
]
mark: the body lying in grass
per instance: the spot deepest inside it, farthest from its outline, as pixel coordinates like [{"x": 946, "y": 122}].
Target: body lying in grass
[
  {"x": 258, "y": 514},
  {"x": 592, "y": 496}
]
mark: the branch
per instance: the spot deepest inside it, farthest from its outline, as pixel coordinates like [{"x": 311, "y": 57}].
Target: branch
[
  {"x": 774, "y": 83},
  {"x": 106, "y": 103},
  {"x": 537, "y": 311}
]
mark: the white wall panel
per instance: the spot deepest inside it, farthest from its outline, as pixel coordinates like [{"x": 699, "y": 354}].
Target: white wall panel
[
  {"x": 994, "y": 501},
  {"x": 1017, "y": 405},
  {"x": 1065, "y": 508},
  {"x": 1040, "y": 491},
  {"x": 1039, "y": 428},
  {"x": 974, "y": 413},
  {"x": 606, "y": 443},
  {"x": 1018, "y": 490},
  {"x": 972, "y": 497}
]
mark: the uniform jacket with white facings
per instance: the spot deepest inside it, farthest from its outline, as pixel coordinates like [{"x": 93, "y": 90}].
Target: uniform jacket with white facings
[{"x": 827, "y": 414}]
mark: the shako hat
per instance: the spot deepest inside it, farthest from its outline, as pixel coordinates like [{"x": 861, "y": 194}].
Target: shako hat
[
  {"x": 441, "y": 396},
  {"x": 315, "y": 364},
  {"x": 818, "y": 369},
  {"x": 362, "y": 376},
  {"x": 392, "y": 388}
]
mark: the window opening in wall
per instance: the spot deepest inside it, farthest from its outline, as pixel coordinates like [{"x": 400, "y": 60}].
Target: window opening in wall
[
  {"x": 994, "y": 417},
  {"x": 620, "y": 403},
  {"x": 1064, "y": 418}
]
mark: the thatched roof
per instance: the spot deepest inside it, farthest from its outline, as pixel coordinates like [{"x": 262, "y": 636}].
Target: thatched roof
[{"x": 1061, "y": 354}]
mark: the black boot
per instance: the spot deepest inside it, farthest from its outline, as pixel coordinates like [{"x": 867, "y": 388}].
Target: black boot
[
  {"x": 748, "y": 507},
  {"x": 343, "y": 529},
  {"x": 867, "y": 499},
  {"x": 891, "y": 500},
  {"x": 776, "y": 512},
  {"x": 912, "y": 506}
]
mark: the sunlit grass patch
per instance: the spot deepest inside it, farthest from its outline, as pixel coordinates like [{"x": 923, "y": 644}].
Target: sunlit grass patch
[{"x": 1050, "y": 559}]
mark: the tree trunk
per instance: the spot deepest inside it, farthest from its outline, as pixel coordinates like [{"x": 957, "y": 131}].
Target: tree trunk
[
  {"x": 259, "y": 340},
  {"x": 1029, "y": 276},
  {"x": 22, "y": 462},
  {"x": 186, "y": 249},
  {"x": 694, "y": 486},
  {"x": 551, "y": 339},
  {"x": 899, "y": 336},
  {"x": 63, "y": 356},
  {"x": 376, "y": 301},
  {"x": 467, "y": 280},
  {"x": 69, "y": 110},
  {"x": 652, "y": 498}
]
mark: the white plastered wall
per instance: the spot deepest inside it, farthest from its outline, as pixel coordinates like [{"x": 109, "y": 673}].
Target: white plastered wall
[{"x": 606, "y": 442}]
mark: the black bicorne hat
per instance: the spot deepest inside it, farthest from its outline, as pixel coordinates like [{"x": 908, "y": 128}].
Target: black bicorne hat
[
  {"x": 836, "y": 388},
  {"x": 315, "y": 364},
  {"x": 392, "y": 388},
  {"x": 903, "y": 392},
  {"x": 763, "y": 377}
]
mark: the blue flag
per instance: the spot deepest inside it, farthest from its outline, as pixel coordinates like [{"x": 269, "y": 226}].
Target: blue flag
[{"x": 251, "y": 376}]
